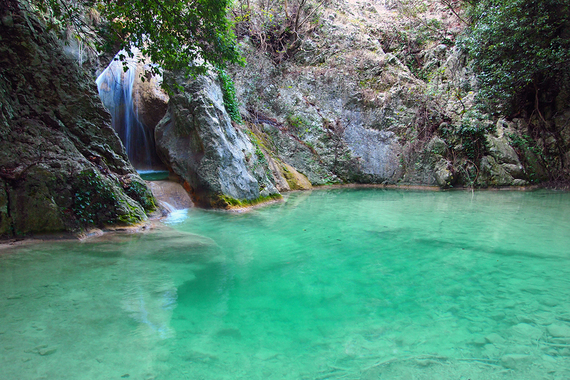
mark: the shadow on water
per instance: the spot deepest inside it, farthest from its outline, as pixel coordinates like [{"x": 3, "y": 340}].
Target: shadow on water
[
  {"x": 166, "y": 245},
  {"x": 506, "y": 252}
]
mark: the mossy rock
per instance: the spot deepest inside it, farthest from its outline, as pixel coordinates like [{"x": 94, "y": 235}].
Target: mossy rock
[
  {"x": 97, "y": 201},
  {"x": 295, "y": 180},
  {"x": 221, "y": 201}
]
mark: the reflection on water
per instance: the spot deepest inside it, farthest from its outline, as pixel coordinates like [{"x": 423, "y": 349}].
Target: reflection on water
[{"x": 355, "y": 284}]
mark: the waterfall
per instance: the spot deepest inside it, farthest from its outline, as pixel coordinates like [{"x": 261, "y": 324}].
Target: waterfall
[{"x": 116, "y": 90}]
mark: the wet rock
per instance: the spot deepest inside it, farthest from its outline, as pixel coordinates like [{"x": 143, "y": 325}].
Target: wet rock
[
  {"x": 295, "y": 180},
  {"x": 171, "y": 193},
  {"x": 149, "y": 99},
  {"x": 502, "y": 151},
  {"x": 62, "y": 167},
  {"x": 494, "y": 174},
  {"x": 436, "y": 146},
  {"x": 265, "y": 354},
  {"x": 479, "y": 341},
  {"x": 550, "y": 302},
  {"x": 47, "y": 351},
  {"x": 229, "y": 333},
  {"x": 214, "y": 158},
  {"x": 377, "y": 152},
  {"x": 443, "y": 176},
  {"x": 527, "y": 331}
]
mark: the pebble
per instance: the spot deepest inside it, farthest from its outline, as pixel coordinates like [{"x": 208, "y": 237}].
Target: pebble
[
  {"x": 47, "y": 351},
  {"x": 479, "y": 341},
  {"x": 525, "y": 319},
  {"x": 491, "y": 351},
  {"x": 265, "y": 354},
  {"x": 497, "y": 316}
]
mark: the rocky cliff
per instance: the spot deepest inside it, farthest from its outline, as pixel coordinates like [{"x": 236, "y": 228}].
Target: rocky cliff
[
  {"x": 369, "y": 94},
  {"x": 62, "y": 167}
]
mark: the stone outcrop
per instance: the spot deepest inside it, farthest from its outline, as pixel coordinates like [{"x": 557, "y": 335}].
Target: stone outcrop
[
  {"x": 338, "y": 110},
  {"x": 62, "y": 167},
  {"x": 215, "y": 159}
]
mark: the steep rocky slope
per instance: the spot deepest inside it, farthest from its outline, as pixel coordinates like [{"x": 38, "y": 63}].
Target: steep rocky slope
[
  {"x": 62, "y": 167},
  {"x": 370, "y": 94}
]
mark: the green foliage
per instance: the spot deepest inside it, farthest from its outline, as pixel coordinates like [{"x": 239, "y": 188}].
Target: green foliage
[
  {"x": 298, "y": 123},
  {"x": 96, "y": 201},
  {"x": 92, "y": 199},
  {"x": 140, "y": 193},
  {"x": 260, "y": 156},
  {"x": 472, "y": 135},
  {"x": 518, "y": 47},
  {"x": 174, "y": 34},
  {"x": 469, "y": 136},
  {"x": 276, "y": 26},
  {"x": 229, "y": 92}
]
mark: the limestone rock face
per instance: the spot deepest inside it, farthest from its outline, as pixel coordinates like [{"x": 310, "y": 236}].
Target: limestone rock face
[
  {"x": 322, "y": 122},
  {"x": 215, "y": 159},
  {"x": 62, "y": 167},
  {"x": 337, "y": 110},
  {"x": 350, "y": 104}
]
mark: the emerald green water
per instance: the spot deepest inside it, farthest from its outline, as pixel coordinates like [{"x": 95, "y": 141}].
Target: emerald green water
[{"x": 337, "y": 284}]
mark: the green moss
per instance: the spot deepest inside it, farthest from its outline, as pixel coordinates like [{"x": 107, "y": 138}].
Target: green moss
[
  {"x": 96, "y": 202},
  {"x": 224, "y": 201},
  {"x": 298, "y": 123},
  {"x": 140, "y": 193}
]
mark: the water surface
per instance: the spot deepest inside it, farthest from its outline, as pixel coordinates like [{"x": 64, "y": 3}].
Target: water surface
[{"x": 337, "y": 284}]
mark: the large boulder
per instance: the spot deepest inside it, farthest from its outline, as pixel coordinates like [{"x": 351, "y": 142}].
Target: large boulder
[
  {"x": 62, "y": 167},
  {"x": 216, "y": 160}
]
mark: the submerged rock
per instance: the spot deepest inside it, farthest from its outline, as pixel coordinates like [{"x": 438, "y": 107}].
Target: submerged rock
[
  {"x": 515, "y": 361},
  {"x": 62, "y": 167},
  {"x": 559, "y": 331}
]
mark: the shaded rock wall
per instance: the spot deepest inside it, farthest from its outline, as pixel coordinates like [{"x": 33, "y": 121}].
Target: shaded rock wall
[{"x": 62, "y": 167}]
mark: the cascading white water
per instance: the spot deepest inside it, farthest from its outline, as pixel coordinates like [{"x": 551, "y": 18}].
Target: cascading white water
[{"x": 115, "y": 85}]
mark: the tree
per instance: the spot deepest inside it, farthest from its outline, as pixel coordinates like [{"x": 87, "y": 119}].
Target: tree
[
  {"x": 175, "y": 34},
  {"x": 276, "y": 26},
  {"x": 519, "y": 48}
]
